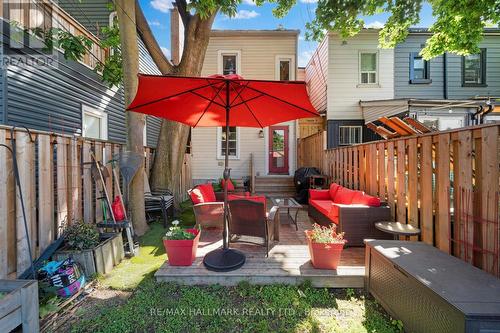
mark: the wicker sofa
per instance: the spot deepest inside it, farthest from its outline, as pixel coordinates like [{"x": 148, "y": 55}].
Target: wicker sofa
[{"x": 354, "y": 212}]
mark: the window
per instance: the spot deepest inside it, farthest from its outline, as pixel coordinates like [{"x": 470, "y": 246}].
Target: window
[
  {"x": 349, "y": 135},
  {"x": 368, "y": 63},
  {"x": 419, "y": 69},
  {"x": 229, "y": 62},
  {"x": 94, "y": 123},
  {"x": 474, "y": 69},
  {"x": 234, "y": 148},
  {"x": 285, "y": 67}
]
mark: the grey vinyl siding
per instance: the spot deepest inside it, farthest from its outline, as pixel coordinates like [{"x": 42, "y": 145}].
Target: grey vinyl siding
[
  {"x": 92, "y": 14},
  {"x": 455, "y": 90},
  {"x": 51, "y": 99},
  {"x": 402, "y": 86},
  {"x": 147, "y": 66}
]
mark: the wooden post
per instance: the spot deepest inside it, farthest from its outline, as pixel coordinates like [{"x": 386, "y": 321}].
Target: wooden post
[
  {"x": 62, "y": 184},
  {"x": 46, "y": 226},
  {"x": 426, "y": 192},
  {"x": 391, "y": 194},
  {"x": 76, "y": 180},
  {"x": 443, "y": 192},
  {"x": 88, "y": 214},
  {"x": 401, "y": 181},
  {"x": 98, "y": 188},
  {"x": 25, "y": 158},
  {"x": 381, "y": 171}
]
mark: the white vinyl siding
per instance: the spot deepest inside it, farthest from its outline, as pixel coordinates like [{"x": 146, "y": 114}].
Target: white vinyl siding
[{"x": 343, "y": 89}]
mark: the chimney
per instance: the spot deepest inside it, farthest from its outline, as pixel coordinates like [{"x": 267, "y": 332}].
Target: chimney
[{"x": 177, "y": 35}]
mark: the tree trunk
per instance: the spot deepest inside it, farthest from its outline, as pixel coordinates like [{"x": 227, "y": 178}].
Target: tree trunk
[
  {"x": 172, "y": 141},
  {"x": 135, "y": 121}
]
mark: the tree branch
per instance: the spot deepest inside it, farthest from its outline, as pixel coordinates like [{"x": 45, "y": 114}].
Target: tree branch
[
  {"x": 150, "y": 42},
  {"x": 183, "y": 12}
]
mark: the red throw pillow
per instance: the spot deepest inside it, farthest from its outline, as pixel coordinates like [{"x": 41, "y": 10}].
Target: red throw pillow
[
  {"x": 333, "y": 190},
  {"x": 258, "y": 198},
  {"x": 230, "y": 185},
  {"x": 196, "y": 196},
  {"x": 207, "y": 192},
  {"x": 344, "y": 196}
]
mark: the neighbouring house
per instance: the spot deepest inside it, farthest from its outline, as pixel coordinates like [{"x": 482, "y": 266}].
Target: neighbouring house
[
  {"x": 253, "y": 54},
  {"x": 308, "y": 126},
  {"x": 66, "y": 96},
  {"x": 356, "y": 83}
]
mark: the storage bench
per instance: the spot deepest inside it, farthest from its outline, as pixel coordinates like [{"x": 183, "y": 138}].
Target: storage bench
[{"x": 429, "y": 290}]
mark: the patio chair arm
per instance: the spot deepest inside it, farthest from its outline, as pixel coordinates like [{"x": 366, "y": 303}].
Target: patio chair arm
[{"x": 273, "y": 213}]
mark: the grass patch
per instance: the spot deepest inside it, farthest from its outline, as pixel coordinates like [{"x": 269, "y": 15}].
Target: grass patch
[
  {"x": 167, "y": 307},
  {"x": 130, "y": 272}
]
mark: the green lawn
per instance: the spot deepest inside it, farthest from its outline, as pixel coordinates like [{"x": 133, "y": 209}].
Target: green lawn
[{"x": 168, "y": 307}]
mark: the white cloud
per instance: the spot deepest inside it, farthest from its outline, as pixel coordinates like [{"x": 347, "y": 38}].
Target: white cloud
[
  {"x": 374, "y": 25},
  {"x": 243, "y": 14},
  {"x": 301, "y": 37},
  {"x": 166, "y": 52},
  {"x": 163, "y": 6},
  {"x": 304, "y": 57},
  {"x": 308, "y": 1},
  {"x": 155, "y": 23},
  {"x": 249, "y": 2}
]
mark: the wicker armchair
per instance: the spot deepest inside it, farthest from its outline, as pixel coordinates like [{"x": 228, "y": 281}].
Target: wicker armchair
[{"x": 249, "y": 218}]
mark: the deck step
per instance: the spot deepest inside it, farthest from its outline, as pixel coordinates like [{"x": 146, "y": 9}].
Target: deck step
[{"x": 275, "y": 186}]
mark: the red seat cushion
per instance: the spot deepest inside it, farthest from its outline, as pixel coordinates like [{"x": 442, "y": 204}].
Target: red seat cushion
[
  {"x": 327, "y": 208},
  {"x": 333, "y": 190},
  {"x": 365, "y": 199},
  {"x": 207, "y": 191},
  {"x": 344, "y": 196},
  {"x": 238, "y": 196},
  {"x": 230, "y": 185}
]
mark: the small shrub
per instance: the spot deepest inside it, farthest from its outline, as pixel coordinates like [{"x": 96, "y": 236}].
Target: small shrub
[
  {"x": 326, "y": 235},
  {"x": 81, "y": 236}
]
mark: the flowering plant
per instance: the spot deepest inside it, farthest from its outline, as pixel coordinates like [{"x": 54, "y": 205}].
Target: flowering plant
[
  {"x": 175, "y": 232},
  {"x": 326, "y": 235}
]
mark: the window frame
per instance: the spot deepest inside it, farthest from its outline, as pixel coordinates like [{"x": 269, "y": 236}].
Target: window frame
[
  {"x": 483, "y": 64},
  {"x": 278, "y": 59},
  {"x": 219, "y": 144},
  {"x": 351, "y": 127},
  {"x": 376, "y": 83},
  {"x": 93, "y": 112},
  {"x": 220, "y": 65},
  {"x": 427, "y": 70}
]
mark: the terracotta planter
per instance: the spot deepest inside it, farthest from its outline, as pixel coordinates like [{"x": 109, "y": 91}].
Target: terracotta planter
[
  {"x": 182, "y": 252},
  {"x": 324, "y": 255}
]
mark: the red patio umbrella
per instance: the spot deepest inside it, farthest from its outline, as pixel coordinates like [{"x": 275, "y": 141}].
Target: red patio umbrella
[{"x": 222, "y": 100}]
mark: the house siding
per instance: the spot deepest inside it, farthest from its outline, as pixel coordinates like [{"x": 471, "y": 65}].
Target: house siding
[
  {"x": 317, "y": 76},
  {"x": 344, "y": 91},
  {"x": 454, "y": 64},
  {"x": 258, "y": 56},
  {"x": 402, "y": 86},
  {"x": 92, "y": 14},
  {"x": 332, "y": 134}
]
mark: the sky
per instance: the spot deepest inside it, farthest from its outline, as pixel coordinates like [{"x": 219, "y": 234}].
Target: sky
[{"x": 250, "y": 16}]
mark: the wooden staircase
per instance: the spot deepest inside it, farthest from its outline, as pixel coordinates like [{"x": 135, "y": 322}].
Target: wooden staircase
[{"x": 275, "y": 186}]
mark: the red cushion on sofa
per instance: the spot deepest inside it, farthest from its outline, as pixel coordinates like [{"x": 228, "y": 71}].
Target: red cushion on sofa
[
  {"x": 323, "y": 206},
  {"x": 230, "y": 185},
  {"x": 238, "y": 196},
  {"x": 362, "y": 198},
  {"x": 333, "y": 190},
  {"x": 207, "y": 192},
  {"x": 344, "y": 196},
  {"x": 319, "y": 195}
]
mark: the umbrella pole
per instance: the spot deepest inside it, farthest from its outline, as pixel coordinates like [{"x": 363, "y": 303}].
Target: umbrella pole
[{"x": 225, "y": 259}]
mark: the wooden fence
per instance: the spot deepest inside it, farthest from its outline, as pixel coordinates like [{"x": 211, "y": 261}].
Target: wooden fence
[
  {"x": 57, "y": 188},
  {"x": 446, "y": 183}
]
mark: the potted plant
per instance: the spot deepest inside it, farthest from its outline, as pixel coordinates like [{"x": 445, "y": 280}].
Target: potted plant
[
  {"x": 96, "y": 253},
  {"x": 181, "y": 245},
  {"x": 325, "y": 246}
]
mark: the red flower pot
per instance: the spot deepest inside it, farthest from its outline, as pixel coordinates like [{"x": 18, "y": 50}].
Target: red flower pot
[
  {"x": 182, "y": 252},
  {"x": 324, "y": 255}
]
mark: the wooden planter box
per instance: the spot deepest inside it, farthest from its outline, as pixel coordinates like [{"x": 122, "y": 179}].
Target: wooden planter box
[
  {"x": 19, "y": 306},
  {"x": 101, "y": 259}
]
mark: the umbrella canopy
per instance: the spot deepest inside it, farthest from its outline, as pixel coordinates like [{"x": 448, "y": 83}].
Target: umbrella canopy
[
  {"x": 203, "y": 101},
  {"x": 226, "y": 101}
]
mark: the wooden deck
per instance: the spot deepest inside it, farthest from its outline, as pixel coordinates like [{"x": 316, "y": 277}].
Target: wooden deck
[{"x": 288, "y": 262}]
